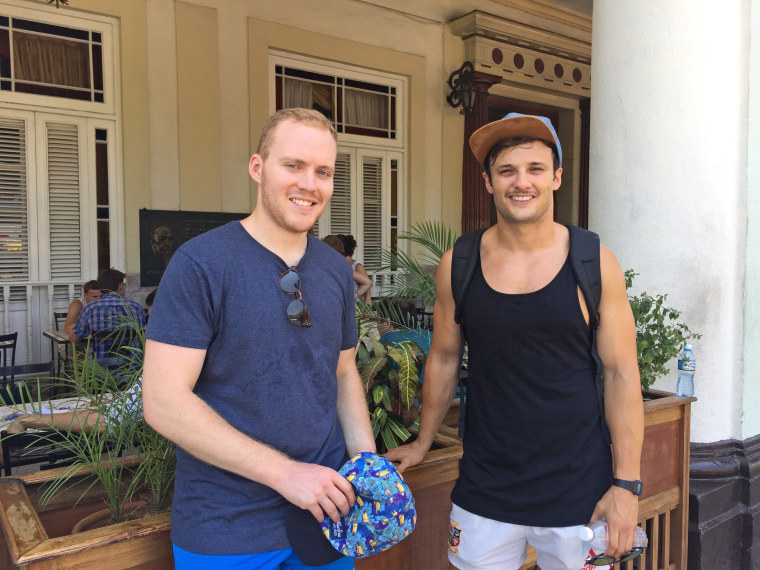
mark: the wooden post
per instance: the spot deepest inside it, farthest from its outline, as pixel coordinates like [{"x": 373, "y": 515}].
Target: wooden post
[{"x": 476, "y": 201}]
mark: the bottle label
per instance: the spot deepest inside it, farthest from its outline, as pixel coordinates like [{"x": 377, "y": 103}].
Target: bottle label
[{"x": 688, "y": 365}]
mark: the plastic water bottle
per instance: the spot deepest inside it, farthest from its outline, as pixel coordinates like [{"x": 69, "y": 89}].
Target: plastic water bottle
[
  {"x": 686, "y": 368},
  {"x": 597, "y": 536}
]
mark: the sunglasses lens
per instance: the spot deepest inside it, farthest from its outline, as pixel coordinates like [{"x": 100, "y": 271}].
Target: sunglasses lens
[
  {"x": 290, "y": 282},
  {"x": 632, "y": 554},
  {"x": 298, "y": 313},
  {"x": 602, "y": 560}
]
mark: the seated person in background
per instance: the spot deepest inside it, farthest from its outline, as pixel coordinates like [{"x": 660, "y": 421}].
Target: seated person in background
[
  {"x": 349, "y": 245},
  {"x": 112, "y": 313},
  {"x": 127, "y": 407},
  {"x": 362, "y": 282},
  {"x": 149, "y": 301},
  {"x": 91, "y": 292}
]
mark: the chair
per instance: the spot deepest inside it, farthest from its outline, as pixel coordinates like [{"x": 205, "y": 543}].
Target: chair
[
  {"x": 44, "y": 447},
  {"x": 122, "y": 355},
  {"x": 16, "y": 394},
  {"x": 8, "y": 343},
  {"x": 65, "y": 358}
]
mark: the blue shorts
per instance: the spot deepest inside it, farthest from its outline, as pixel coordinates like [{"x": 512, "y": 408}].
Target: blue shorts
[{"x": 284, "y": 559}]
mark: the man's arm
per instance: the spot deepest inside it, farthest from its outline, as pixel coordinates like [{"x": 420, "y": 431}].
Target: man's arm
[
  {"x": 368, "y": 293},
  {"x": 353, "y": 413},
  {"x": 364, "y": 284},
  {"x": 441, "y": 374},
  {"x": 80, "y": 329},
  {"x": 77, "y": 421},
  {"x": 172, "y": 408},
  {"x": 623, "y": 404},
  {"x": 71, "y": 318}
]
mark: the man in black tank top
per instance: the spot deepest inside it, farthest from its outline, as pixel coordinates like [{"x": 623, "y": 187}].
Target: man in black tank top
[{"x": 536, "y": 464}]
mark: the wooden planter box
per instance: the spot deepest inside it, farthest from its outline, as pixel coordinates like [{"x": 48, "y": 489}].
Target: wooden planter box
[
  {"x": 664, "y": 504},
  {"x": 38, "y": 538},
  {"x": 431, "y": 483}
]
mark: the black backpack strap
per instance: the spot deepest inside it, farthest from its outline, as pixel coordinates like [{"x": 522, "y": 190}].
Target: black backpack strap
[
  {"x": 464, "y": 260},
  {"x": 585, "y": 258}
]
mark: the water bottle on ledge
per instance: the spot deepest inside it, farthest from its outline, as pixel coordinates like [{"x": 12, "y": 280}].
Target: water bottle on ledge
[
  {"x": 686, "y": 367},
  {"x": 597, "y": 536}
]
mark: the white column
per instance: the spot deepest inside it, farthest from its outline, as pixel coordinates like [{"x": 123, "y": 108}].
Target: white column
[
  {"x": 669, "y": 171},
  {"x": 751, "y": 372}
]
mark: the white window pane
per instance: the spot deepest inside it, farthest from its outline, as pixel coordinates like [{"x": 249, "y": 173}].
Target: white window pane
[{"x": 14, "y": 228}]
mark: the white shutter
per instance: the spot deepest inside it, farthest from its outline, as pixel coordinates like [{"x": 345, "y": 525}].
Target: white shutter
[
  {"x": 14, "y": 225},
  {"x": 372, "y": 215},
  {"x": 63, "y": 201},
  {"x": 340, "y": 203}
]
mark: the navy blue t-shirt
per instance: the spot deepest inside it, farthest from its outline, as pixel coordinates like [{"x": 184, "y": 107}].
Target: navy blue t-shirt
[{"x": 267, "y": 377}]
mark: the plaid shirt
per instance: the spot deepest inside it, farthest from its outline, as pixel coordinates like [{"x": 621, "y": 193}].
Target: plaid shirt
[{"x": 109, "y": 313}]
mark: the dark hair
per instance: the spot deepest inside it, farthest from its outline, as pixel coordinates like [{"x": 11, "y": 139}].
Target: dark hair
[
  {"x": 110, "y": 280},
  {"x": 150, "y": 297},
  {"x": 334, "y": 242},
  {"x": 512, "y": 142},
  {"x": 349, "y": 244},
  {"x": 90, "y": 285}
]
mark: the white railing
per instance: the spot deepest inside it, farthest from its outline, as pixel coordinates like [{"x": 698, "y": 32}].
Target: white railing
[
  {"x": 382, "y": 282},
  {"x": 28, "y": 307}
]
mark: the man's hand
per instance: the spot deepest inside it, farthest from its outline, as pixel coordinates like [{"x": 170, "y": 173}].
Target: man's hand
[
  {"x": 18, "y": 425},
  {"x": 406, "y": 455},
  {"x": 317, "y": 489},
  {"x": 620, "y": 508}
]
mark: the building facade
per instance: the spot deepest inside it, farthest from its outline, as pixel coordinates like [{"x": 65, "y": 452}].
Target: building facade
[{"x": 114, "y": 113}]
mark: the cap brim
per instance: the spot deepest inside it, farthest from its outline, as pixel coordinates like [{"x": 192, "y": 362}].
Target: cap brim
[
  {"x": 484, "y": 139},
  {"x": 306, "y": 538}
]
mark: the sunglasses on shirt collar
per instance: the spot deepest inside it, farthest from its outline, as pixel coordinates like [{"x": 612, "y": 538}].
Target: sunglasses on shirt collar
[{"x": 298, "y": 310}]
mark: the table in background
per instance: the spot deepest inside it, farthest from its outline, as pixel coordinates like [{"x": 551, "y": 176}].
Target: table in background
[{"x": 57, "y": 339}]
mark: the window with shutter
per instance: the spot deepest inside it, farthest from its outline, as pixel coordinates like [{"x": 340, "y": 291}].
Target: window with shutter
[
  {"x": 372, "y": 210},
  {"x": 63, "y": 201},
  {"x": 14, "y": 226},
  {"x": 366, "y": 107},
  {"x": 341, "y": 205}
]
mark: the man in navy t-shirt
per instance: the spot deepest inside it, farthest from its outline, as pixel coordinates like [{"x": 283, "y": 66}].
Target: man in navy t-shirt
[{"x": 249, "y": 363}]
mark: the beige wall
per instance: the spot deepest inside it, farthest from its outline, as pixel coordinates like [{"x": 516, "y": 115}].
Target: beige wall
[{"x": 195, "y": 89}]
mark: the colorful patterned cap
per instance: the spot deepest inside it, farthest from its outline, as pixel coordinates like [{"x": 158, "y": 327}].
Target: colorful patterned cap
[{"x": 383, "y": 514}]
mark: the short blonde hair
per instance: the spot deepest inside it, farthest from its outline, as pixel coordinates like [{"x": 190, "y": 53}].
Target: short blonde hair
[{"x": 307, "y": 117}]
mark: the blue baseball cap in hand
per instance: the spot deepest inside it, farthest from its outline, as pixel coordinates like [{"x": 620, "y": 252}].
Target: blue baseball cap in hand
[{"x": 383, "y": 513}]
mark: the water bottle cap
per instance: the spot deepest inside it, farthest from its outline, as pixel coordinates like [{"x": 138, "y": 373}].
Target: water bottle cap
[
  {"x": 687, "y": 347},
  {"x": 585, "y": 534}
]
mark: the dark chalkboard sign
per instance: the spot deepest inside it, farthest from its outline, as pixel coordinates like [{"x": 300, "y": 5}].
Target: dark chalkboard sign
[{"x": 163, "y": 231}]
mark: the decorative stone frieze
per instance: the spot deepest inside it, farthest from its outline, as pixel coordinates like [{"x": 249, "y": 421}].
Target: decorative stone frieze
[{"x": 537, "y": 52}]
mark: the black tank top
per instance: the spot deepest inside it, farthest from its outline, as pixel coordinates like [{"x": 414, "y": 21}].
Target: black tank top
[{"x": 534, "y": 452}]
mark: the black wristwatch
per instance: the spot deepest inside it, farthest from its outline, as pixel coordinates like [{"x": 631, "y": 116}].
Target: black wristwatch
[{"x": 635, "y": 487}]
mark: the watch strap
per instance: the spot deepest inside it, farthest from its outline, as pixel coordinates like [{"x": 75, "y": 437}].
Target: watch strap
[{"x": 635, "y": 487}]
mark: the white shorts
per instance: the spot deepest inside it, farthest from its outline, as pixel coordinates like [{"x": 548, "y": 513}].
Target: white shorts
[{"x": 478, "y": 543}]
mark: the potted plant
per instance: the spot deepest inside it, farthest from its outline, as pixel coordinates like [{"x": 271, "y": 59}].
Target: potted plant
[
  {"x": 659, "y": 334},
  {"x": 124, "y": 460}
]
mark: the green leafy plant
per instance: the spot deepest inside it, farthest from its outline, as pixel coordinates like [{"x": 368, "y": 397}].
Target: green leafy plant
[
  {"x": 417, "y": 270},
  {"x": 127, "y": 456},
  {"x": 390, "y": 374},
  {"x": 659, "y": 334}
]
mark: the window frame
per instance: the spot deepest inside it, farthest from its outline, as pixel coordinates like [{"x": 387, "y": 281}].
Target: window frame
[{"x": 107, "y": 27}]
